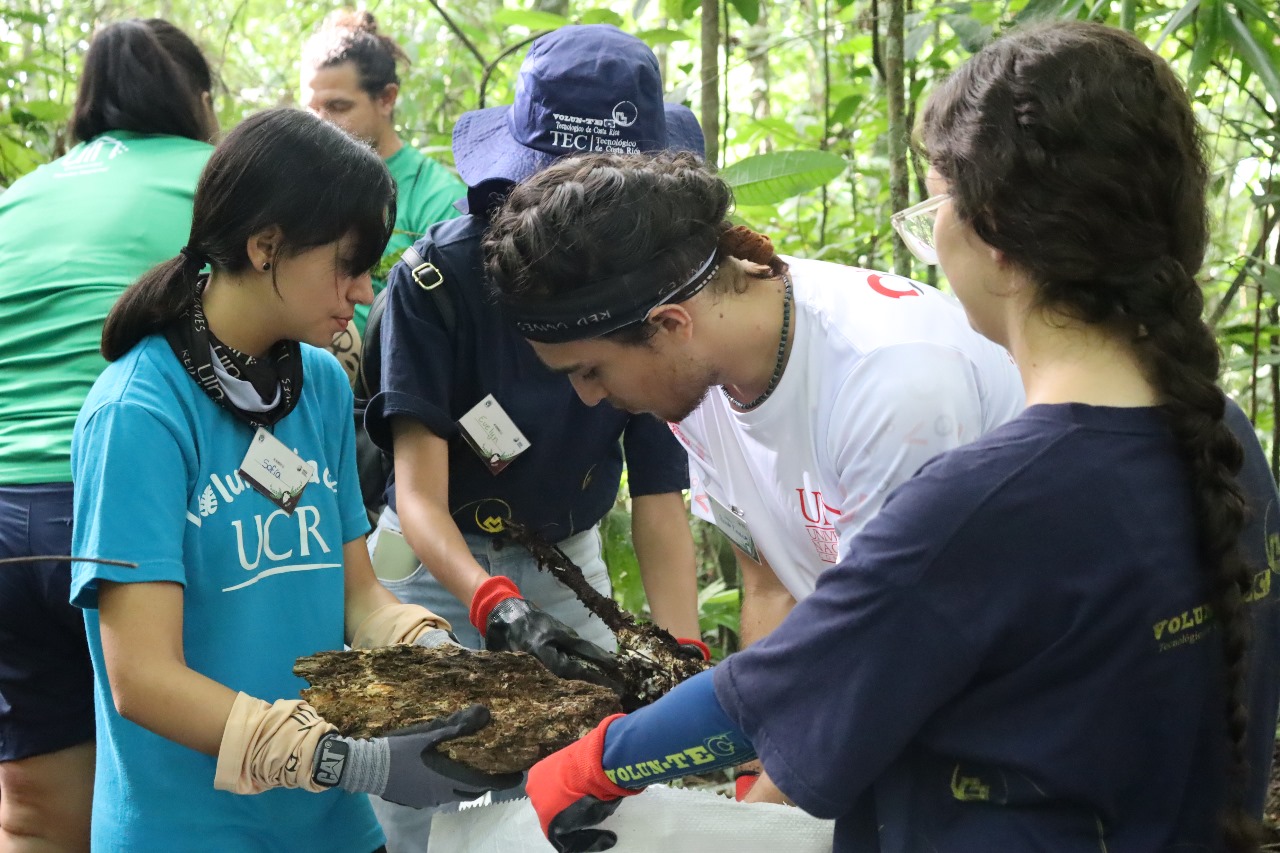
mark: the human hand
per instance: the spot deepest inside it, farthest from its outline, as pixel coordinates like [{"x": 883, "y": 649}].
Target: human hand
[
  {"x": 511, "y": 623},
  {"x": 571, "y": 793},
  {"x": 405, "y": 767},
  {"x": 694, "y": 648}
]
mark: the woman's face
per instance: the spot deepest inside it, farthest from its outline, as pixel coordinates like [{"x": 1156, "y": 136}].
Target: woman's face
[
  {"x": 970, "y": 266},
  {"x": 319, "y": 293}
]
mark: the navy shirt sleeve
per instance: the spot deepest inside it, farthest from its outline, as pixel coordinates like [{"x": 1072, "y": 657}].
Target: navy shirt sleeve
[
  {"x": 417, "y": 357},
  {"x": 656, "y": 463}
]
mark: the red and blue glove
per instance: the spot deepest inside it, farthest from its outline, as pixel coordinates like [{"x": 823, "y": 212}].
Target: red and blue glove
[
  {"x": 571, "y": 794},
  {"x": 509, "y": 623}
]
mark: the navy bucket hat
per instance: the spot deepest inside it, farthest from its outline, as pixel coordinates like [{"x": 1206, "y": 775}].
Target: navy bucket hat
[{"x": 582, "y": 88}]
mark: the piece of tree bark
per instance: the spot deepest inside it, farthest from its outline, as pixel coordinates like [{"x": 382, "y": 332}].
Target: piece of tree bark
[
  {"x": 650, "y": 661},
  {"x": 369, "y": 692}
]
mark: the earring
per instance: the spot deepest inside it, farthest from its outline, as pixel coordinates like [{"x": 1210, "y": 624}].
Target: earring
[{"x": 266, "y": 265}]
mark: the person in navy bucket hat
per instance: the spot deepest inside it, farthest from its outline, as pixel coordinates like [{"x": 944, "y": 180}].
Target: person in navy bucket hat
[
  {"x": 581, "y": 88},
  {"x": 446, "y": 349}
]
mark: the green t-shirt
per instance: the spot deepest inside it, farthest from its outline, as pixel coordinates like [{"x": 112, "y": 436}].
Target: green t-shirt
[
  {"x": 425, "y": 193},
  {"x": 73, "y": 235}
]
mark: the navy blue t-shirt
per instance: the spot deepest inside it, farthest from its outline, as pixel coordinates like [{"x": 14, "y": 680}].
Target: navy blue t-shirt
[
  {"x": 568, "y": 478},
  {"x": 1017, "y": 654}
]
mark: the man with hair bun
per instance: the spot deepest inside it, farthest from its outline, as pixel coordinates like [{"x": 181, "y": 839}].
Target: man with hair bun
[{"x": 349, "y": 78}]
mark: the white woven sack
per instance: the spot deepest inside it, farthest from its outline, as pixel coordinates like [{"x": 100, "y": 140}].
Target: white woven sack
[{"x": 658, "y": 820}]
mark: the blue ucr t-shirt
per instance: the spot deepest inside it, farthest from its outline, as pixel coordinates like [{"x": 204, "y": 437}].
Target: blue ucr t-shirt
[
  {"x": 155, "y": 464},
  {"x": 1017, "y": 654}
]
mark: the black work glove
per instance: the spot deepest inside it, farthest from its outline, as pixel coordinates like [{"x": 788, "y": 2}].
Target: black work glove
[
  {"x": 405, "y": 767},
  {"x": 515, "y": 625}
]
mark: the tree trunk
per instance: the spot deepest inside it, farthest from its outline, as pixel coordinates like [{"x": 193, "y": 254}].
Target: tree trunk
[
  {"x": 711, "y": 78},
  {"x": 757, "y": 49},
  {"x": 893, "y": 69}
]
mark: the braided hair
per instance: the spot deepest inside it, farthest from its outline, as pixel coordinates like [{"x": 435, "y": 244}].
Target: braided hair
[{"x": 1072, "y": 149}]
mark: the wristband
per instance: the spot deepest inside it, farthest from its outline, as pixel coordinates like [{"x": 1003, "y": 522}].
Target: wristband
[
  {"x": 488, "y": 596},
  {"x": 697, "y": 644}
]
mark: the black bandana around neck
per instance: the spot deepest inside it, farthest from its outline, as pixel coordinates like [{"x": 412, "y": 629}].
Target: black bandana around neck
[{"x": 195, "y": 346}]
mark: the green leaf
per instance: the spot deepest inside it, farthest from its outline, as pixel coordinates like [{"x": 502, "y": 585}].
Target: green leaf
[
  {"x": 771, "y": 178},
  {"x": 12, "y": 16},
  {"x": 1252, "y": 54},
  {"x": 653, "y": 38},
  {"x": 1253, "y": 10},
  {"x": 748, "y": 9},
  {"x": 916, "y": 38},
  {"x": 45, "y": 110},
  {"x": 1037, "y": 9},
  {"x": 844, "y": 110},
  {"x": 973, "y": 34},
  {"x": 529, "y": 20},
  {"x": 1179, "y": 18},
  {"x": 1208, "y": 37},
  {"x": 601, "y": 16}
]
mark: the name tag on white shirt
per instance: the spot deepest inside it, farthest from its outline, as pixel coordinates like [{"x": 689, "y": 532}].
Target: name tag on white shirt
[
  {"x": 492, "y": 434},
  {"x": 733, "y": 525},
  {"x": 275, "y": 470}
]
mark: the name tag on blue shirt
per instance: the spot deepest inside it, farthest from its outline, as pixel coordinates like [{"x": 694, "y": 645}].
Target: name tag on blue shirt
[
  {"x": 492, "y": 434},
  {"x": 275, "y": 471}
]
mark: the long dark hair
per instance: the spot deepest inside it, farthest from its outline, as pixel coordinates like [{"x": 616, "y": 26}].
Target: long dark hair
[
  {"x": 598, "y": 216},
  {"x": 280, "y": 167},
  {"x": 145, "y": 77},
  {"x": 1072, "y": 149},
  {"x": 347, "y": 36}
]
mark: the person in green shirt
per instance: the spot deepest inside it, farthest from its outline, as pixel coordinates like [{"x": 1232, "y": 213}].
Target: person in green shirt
[
  {"x": 73, "y": 235},
  {"x": 349, "y": 78}
]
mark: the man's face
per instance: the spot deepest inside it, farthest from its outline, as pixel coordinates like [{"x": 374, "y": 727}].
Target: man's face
[
  {"x": 656, "y": 376},
  {"x": 333, "y": 93}
]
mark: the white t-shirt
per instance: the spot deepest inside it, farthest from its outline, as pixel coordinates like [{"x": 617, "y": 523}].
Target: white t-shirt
[{"x": 884, "y": 374}]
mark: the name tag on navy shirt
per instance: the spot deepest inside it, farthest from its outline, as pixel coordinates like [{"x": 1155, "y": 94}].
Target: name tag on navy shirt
[
  {"x": 275, "y": 470},
  {"x": 733, "y": 525},
  {"x": 492, "y": 434}
]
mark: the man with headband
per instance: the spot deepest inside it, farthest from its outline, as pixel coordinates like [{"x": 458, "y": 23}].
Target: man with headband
[
  {"x": 482, "y": 433},
  {"x": 803, "y": 391}
]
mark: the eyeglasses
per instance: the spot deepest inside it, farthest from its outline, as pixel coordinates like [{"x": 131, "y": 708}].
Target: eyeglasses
[{"x": 915, "y": 226}]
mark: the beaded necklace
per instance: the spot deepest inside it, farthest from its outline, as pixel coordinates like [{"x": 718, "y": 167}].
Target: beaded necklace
[{"x": 782, "y": 355}]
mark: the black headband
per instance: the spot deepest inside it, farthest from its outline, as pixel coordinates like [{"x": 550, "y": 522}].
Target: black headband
[{"x": 582, "y": 314}]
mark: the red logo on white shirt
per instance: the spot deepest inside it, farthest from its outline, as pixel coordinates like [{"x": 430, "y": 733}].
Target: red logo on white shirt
[
  {"x": 883, "y": 285},
  {"x": 822, "y": 531}
]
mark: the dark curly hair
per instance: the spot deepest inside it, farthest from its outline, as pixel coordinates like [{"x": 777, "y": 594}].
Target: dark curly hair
[
  {"x": 1072, "y": 149},
  {"x": 347, "y": 36},
  {"x": 591, "y": 218}
]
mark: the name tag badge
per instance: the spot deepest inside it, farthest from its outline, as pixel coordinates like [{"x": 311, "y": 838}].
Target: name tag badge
[
  {"x": 275, "y": 471},
  {"x": 492, "y": 434},
  {"x": 733, "y": 525}
]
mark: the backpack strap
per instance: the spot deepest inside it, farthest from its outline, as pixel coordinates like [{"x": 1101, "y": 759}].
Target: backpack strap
[{"x": 428, "y": 277}]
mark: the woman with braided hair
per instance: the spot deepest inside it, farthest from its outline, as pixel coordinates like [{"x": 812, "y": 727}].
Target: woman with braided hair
[{"x": 1040, "y": 641}]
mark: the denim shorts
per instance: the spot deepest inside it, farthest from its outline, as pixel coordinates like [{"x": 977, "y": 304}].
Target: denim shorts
[{"x": 46, "y": 679}]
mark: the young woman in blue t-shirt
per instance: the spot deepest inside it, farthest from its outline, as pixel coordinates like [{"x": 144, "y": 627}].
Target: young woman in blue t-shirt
[
  {"x": 216, "y": 453},
  {"x": 1040, "y": 641}
]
